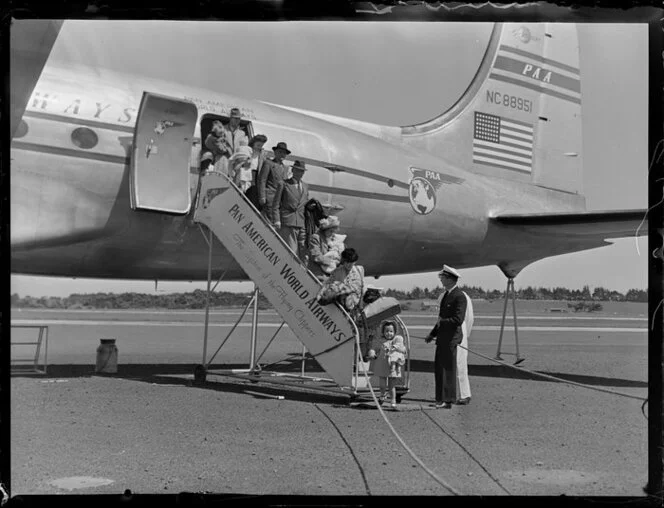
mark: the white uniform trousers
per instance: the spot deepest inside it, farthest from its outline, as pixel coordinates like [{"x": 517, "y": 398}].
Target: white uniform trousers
[{"x": 462, "y": 354}]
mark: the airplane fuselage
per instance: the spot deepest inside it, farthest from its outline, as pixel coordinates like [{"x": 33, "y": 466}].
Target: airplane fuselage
[{"x": 403, "y": 210}]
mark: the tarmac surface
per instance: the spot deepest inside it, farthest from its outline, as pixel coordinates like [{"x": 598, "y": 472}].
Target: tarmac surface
[{"x": 148, "y": 429}]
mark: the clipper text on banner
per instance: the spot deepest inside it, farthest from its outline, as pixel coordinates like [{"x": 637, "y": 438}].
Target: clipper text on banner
[{"x": 277, "y": 272}]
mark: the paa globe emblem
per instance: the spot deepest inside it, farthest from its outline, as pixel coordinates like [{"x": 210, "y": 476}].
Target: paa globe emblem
[
  {"x": 422, "y": 196},
  {"x": 422, "y": 190}
]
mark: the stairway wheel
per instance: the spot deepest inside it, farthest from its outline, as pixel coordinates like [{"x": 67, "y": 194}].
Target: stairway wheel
[{"x": 200, "y": 374}]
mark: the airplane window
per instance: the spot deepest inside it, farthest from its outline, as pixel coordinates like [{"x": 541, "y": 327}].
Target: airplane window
[
  {"x": 84, "y": 138},
  {"x": 390, "y": 183},
  {"x": 21, "y": 130}
]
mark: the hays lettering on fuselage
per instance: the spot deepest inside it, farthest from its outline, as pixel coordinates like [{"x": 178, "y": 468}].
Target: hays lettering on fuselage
[
  {"x": 422, "y": 190},
  {"x": 70, "y": 105}
]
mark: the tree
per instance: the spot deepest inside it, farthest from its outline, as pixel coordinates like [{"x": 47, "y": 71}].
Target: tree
[
  {"x": 585, "y": 293},
  {"x": 636, "y": 295},
  {"x": 600, "y": 293}
]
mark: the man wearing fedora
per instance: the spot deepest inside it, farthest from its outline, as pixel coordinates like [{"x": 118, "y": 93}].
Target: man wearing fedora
[
  {"x": 288, "y": 210},
  {"x": 272, "y": 172},
  {"x": 448, "y": 333},
  {"x": 235, "y": 136}
]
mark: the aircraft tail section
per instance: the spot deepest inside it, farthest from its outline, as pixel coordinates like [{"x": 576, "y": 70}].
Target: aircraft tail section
[
  {"x": 520, "y": 118},
  {"x": 327, "y": 331}
]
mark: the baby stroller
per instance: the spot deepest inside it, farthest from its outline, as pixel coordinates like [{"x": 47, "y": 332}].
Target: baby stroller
[{"x": 369, "y": 322}]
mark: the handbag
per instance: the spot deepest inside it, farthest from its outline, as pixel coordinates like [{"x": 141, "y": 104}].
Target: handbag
[{"x": 332, "y": 292}]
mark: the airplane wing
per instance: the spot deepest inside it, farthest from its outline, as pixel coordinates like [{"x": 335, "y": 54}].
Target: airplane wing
[
  {"x": 31, "y": 41},
  {"x": 591, "y": 226}
]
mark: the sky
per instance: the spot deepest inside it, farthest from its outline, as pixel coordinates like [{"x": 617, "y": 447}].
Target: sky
[{"x": 391, "y": 74}]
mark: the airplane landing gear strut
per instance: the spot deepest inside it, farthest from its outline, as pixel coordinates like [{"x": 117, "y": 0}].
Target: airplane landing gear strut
[{"x": 510, "y": 290}]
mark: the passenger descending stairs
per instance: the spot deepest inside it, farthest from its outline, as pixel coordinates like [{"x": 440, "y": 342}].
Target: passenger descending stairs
[{"x": 327, "y": 331}]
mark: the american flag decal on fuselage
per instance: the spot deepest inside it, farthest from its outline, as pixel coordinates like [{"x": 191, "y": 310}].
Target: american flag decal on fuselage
[{"x": 502, "y": 143}]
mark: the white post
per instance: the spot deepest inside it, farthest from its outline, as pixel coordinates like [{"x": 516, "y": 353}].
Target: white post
[
  {"x": 304, "y": 353},
  {"x": 502, "y": 323},
  {"x": 207, "y": 300},
  {"x": 254, "y": 330}
]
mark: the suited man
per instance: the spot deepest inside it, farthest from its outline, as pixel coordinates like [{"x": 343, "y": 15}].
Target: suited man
[
  {"x": 448, "y": 333},
  {"x": 288, "y": 210},
  {"x": 271, "y": 173}
]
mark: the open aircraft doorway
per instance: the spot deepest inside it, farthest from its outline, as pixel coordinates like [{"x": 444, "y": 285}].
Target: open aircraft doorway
[{"x": 160, "y": 154}]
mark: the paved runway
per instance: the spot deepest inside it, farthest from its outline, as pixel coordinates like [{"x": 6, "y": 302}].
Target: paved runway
[{"x": 147, "y": 430}]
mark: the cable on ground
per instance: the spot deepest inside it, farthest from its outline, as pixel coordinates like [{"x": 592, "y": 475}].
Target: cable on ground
[
  {"x": 546, "y": 376},
  {"x": 401, "y": 441}
]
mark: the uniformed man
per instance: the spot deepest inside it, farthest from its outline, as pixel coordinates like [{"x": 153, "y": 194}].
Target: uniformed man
[
  {"x": 463, "y": 383},
  {"x": 448, "y": 334}
]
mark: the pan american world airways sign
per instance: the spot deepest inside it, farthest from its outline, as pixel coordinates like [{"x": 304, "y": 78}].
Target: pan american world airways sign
[{"x": 326, "y": 330}]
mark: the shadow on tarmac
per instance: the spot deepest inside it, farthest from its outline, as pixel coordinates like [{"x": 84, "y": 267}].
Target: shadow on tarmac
[
  {"x": 169, "y": 374},
  {"x": 501, "y": 371},
  {"x": 163, "y": 374}
]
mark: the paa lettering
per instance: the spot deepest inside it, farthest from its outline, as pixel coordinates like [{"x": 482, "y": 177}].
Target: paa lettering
[
  {"x": 432, "y": 175},
  {"x": 235, "y": 213},
  {"x": 535, "y": 74}
]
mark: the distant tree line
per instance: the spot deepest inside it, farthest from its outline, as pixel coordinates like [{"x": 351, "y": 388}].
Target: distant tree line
[
  {"x": 193, "y": 300},
  {"x": 529, "y": 293},
  {"x": 196, "y": 299}
]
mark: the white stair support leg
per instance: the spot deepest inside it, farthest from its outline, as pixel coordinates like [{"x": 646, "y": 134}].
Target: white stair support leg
[{"x": 254, "y": 330}]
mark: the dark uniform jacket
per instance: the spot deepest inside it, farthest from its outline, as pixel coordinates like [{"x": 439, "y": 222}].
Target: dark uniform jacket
[
  {"x": 288, "y": 205},
  {"x": 451, "y": 315}
]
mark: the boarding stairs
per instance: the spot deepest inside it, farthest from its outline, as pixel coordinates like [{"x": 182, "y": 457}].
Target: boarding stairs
[{"x": 328, "y": 332}]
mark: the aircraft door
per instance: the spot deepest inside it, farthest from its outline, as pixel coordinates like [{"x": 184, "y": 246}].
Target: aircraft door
[{"x": 159, "y": 171}]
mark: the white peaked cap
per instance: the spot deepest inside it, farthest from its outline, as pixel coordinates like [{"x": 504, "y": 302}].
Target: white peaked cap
[{"x": 448, "y": 270}]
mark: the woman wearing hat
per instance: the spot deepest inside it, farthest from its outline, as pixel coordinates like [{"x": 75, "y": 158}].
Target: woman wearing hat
[
  {"x": 352, "y": 277},
  {"x": 325, "y": 247},
  {"x": 207, "y": 160},
  {"x": 272, "y": 172},
  {"x": 217, "y": 144}
]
